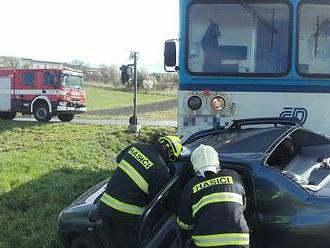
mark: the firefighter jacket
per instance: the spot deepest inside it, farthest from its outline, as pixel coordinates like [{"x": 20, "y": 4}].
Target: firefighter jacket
[
  {"x": 141, "y": 174},
  {"x": 211, "y": 208}
]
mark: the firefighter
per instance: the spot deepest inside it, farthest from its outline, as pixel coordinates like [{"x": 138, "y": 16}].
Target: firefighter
[
  {"x": 142, "y": 172},
  {"x": 212, "y": 203}
]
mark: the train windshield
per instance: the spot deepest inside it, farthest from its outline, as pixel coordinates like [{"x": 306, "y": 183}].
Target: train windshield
[
  {"x": 314, "y": 38},
  {"x": 238, "y": 37}
]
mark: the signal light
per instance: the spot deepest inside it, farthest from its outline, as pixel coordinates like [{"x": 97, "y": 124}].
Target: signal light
[
  {"x": 194, "y": 103},
  {"x": 125, "y": 73},
  {"x": 218, "y": 103}
]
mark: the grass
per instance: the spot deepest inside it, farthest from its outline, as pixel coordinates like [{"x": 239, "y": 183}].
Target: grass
[
  {"x": 43, "y": 168},
  {"x": 169, "y": 114},
  {"x": 166, "y": 92},
  {"x": 108, "y": 99}
]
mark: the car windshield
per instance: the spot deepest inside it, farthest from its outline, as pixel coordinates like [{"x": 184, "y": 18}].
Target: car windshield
[
  {"x": 238, "y": 37},
  {"x": 71, "y": 81},
  {"x": 314, "y": 35}
]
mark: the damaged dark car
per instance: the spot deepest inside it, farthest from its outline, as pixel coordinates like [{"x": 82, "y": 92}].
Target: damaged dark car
[{"x": 286, "y": 171}]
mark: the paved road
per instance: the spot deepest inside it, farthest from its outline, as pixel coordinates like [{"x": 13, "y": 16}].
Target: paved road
[{"x": 161, "y": 123}]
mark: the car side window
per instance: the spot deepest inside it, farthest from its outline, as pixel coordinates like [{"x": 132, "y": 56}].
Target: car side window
[{"x": 283, "y": 154}]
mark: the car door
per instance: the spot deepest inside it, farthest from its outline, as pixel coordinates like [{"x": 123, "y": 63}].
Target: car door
[
  {"x": 158, "y": 227},
  {"x": 281, "y": 205}
]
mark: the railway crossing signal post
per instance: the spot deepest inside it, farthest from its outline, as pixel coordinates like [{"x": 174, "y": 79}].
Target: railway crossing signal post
[{"x": 126, "y": 74}]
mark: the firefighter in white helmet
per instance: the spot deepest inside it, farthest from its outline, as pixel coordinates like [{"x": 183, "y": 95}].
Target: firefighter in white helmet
[{"x": 212, "y": 204}]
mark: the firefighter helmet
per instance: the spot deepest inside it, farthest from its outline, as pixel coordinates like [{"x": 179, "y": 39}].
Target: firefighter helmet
[
  {"x": 172, "y": 144},
  {"x": 205, "y": 158}
]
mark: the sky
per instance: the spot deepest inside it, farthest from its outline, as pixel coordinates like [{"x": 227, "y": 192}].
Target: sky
[{"x": 95, "y": 31}]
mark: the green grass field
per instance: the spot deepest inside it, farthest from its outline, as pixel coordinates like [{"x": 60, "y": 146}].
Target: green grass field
[
  {"x": 43, "y": 168},
  {"x": 108, "y": 99},
  {"x": 113, "y": 104}
]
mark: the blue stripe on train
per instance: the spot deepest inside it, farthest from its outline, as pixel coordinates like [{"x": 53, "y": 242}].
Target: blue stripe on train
[{"x": 257, "y": 88}]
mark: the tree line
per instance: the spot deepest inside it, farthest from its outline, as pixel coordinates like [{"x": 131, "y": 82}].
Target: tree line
[{"x": 108, "y": 75}]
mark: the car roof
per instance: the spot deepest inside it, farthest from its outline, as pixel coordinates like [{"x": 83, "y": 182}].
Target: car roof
[{"x": 241, "y": 144}]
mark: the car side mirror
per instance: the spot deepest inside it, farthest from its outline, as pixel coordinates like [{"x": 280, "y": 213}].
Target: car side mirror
[{"x": 170, "y": 64}]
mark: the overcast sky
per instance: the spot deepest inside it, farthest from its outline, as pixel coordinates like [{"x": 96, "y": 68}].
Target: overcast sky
[{"x": 96, "y": 31}]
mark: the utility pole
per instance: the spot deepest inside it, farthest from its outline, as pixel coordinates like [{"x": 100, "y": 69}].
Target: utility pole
[{"x": 134, "y": 126}]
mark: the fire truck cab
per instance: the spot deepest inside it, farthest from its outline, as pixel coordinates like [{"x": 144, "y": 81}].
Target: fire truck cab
[{"x": 42, "y": 92}]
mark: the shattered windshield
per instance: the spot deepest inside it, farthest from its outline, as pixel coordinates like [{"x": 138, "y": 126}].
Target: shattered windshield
[{"x": 238, "y": 37}]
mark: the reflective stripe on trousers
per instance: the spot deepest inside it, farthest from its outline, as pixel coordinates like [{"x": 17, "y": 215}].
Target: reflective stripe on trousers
[
  {"x": 215, "y": 198},
  {"x": 121, "y": 206},
  {"x": 221, "y": 239},
  {"x": 134, "y": 175},
  {"x": 183, "y": 225}
]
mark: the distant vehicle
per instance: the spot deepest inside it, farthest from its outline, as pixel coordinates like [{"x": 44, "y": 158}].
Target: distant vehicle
[
  {"x": 42, "y": 92},
  {"x": 286, "y": 207},
  {"x": 248, "y": 59}
]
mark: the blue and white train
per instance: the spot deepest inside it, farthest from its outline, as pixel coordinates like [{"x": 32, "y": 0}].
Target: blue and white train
[{"x": 252, "y": 58}]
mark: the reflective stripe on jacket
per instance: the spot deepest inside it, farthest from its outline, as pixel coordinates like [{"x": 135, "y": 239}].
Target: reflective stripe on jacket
[
  {"x": 217, "y": 198},
  {"x": 134, "y": 175},
  {"x": 121, "y": 206},
  {"x": 140, "y": 175},
  {"x": 212, "y": 208}
]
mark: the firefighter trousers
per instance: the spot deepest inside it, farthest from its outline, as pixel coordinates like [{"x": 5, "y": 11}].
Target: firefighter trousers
[{"x": 121, "y": 233}]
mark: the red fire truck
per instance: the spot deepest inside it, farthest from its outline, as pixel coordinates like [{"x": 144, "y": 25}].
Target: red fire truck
[{"x": 42, "y": 92}]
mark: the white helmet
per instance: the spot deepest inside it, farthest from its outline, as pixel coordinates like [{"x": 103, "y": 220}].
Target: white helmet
[{"x": 205, "y": 158}]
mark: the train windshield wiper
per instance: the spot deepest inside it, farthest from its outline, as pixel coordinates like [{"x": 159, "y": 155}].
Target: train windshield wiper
[
  {"x": 319, "y": 30},
  {"x": 255, "y": 14}
]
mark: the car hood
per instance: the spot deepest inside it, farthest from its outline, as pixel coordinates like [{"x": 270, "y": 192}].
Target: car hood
[
  {"x": 75, "y": 217},
  {"x": 90, "y": 197}
]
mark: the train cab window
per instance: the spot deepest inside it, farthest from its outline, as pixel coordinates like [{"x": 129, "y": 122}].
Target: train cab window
[
  {"x": 49, "y": 78},
  {"x": 249, "y": 37},
  {"x": 314, "y": 36},
  {"x": 28, "y": 78}
]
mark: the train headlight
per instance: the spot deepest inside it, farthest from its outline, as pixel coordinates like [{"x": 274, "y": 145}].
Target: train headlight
[
  {"x": 194, "y": 103},
  {"x": 218, "y": 103}
]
